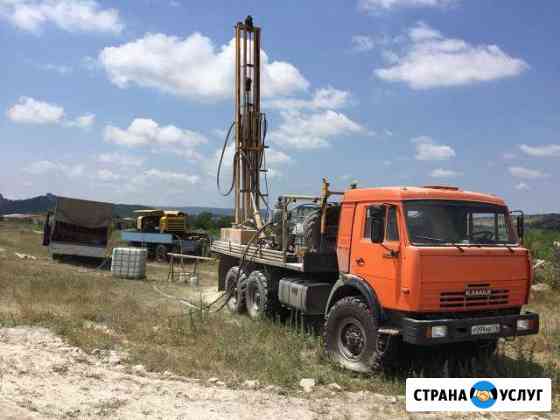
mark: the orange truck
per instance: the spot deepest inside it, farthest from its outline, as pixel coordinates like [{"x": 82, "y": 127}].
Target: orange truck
[{"x": 386, "y": 266}]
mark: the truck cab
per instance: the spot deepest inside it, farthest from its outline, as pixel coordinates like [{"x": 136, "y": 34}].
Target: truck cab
[{"x": 443, "y": 265}]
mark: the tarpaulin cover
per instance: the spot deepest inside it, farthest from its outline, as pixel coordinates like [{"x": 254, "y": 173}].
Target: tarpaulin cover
[{"x": 89, "y": 214}]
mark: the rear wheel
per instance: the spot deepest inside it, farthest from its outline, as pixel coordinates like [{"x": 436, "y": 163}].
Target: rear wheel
[
  {"x": 236, "y": 302},
  {"x": 256, "y": 295},
  {"x": 350, "y": 334}
]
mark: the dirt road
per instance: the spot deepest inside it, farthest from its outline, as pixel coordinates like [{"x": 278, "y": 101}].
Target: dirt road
[{"x": 43, "y": 377}]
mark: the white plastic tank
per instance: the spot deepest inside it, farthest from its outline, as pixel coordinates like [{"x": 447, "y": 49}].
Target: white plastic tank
[{"x": 129, "y": 263}]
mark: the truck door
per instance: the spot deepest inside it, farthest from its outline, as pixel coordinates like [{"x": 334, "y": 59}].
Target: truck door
[{"x": 379, "y": 262}]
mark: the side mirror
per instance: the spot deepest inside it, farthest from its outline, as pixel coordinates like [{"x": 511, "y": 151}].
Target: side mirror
[
  {"x": 376, "y": 214},
  {"x": 520, "y": 224}
]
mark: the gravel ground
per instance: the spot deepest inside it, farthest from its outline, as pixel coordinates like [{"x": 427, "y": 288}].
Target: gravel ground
[{"x": 41, "y": 377}]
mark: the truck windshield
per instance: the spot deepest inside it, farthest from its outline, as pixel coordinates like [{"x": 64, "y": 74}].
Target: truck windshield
[{"x": 434, "y": 222}]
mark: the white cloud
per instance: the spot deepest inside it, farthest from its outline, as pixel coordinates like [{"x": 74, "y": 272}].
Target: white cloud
[
  {"x": 68, "y": 15},
  {"x": 60, "y": 69},
  {"x": 428, "y": 149},
  {"x": 276, "y": 157},
  {"x": 362, "y": 43},
  {"x": 508, "y": 156},
  {"x": 526, "y": 173},
  {"x": 172, "y": 176},
  {"x": 522, "y": 186},
  {"x": 430, "y": 60},
  {"x": 41, "y": 167},
  {"x": 32, "y": 111},
  {"x": 107, "y": 175},
  {"x": 147, "y": 132},
  {"x": 192, "y": 67},
  {"x": 444, "y": 173},
  {"x": 324, "y": 98},
  {"x": 374, "y": 5},
  {"x": 119, "y": 159},
  {"x": 84, "y": 121},
  {"x": 46, "y": 166},
  {"x": 547, "y": 150},
  {"x": 312, "y": 130}
]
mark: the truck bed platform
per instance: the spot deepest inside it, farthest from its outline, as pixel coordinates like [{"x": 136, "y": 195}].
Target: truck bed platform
[{"x": 309, "y": 263}]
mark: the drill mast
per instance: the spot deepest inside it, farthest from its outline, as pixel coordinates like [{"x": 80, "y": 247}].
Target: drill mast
[{"x": 249, "y": 147}]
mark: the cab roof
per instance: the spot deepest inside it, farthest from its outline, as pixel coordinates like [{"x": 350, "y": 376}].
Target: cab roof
[{"x": 434, "y": 192}]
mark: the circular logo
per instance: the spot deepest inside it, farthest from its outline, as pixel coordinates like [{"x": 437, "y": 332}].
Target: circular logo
[{"x": 483, "y": 394}]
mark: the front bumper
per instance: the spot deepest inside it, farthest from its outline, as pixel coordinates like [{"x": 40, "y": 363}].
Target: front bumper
[{"x": 416, "y": 331}]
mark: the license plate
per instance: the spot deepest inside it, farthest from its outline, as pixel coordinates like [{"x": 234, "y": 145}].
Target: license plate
[{"x": 485, "y": 329}]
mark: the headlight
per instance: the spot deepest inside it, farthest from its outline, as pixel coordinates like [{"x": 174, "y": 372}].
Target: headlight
[
  {"x": 523, "y": 324},
  {"x": 439, "y": 331}
]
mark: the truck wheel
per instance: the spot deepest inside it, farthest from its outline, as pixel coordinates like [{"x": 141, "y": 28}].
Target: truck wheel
[
  {"x": 256, "y": 295},
  {"x": 236, "y": 303},
  {"x": 161, "y": 253},
  {"x": 350, "y": 334}
]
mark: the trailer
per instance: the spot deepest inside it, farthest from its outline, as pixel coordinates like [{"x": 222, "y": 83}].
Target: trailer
[
  {"x": 78, "y": 228},
  {"x": 379, "y": 266}
]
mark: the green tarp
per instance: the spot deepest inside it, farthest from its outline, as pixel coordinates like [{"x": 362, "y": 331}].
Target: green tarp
[{"x": 89, "y": 214}]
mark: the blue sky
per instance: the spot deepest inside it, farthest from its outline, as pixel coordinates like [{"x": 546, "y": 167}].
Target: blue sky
[{"x": 129, "y": 101}]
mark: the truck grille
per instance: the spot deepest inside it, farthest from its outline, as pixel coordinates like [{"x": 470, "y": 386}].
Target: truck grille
[{"x": 459, "y": 300}]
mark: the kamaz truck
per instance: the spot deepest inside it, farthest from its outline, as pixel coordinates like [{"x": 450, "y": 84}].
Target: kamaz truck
[{"x": 424, "y": 266}]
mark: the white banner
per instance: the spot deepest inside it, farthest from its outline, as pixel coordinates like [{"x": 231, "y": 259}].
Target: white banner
[{"x": 476, "y": 394}]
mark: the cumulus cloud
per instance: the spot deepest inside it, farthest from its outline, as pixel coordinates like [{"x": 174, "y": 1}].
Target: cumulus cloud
[
  {"x": 431, "y": 60},
  {"x": 32, "y": 111},
  {"x": 428, "y": 149},
  {"x": 526, "y": 173},
  {"x": 375, "y": 5},
  {"x": 444, "y": 173},
  {"x": 192, "y": 67},
  {"x": 324, "y": 98},
  {"x": 313, "y": 130},
  {"x": 43, "y": 167},
  {"x": 68, "y": 15},
  {"x": 146, "y": 132},
  {"x": 547, "y": 150},
  {"x": 119, "y": 159}
]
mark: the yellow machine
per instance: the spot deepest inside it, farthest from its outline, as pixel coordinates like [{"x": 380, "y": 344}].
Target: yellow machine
[
  {"x": 164, "y": 231},
  {"x": 162, "y": 221}
]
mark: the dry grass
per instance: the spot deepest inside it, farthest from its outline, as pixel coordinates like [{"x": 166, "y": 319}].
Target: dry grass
[{"x": 93, "y": 311}]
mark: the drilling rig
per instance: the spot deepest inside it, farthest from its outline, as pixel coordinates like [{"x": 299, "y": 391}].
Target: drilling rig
[
  {"x": 249, "y": 137},
  {"x": 379, "y": 266}
]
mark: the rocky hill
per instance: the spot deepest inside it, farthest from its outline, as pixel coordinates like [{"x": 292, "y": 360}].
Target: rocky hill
[{"x": 44, "y": 203}]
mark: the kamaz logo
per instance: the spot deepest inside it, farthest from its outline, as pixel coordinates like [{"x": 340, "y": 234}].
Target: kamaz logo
[{"x": 477, "y": 292}]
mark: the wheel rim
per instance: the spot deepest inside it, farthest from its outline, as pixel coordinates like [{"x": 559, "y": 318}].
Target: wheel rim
[
  {"x": 255, "y": 300},
  {"x": 351, "y": 338},
  {"x": 233, "y": 298}
]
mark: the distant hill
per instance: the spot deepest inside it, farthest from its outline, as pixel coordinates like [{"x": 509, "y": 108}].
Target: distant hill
[
  {"x": 38, "y": 204},
  {"x": 44, "y": 203}
]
